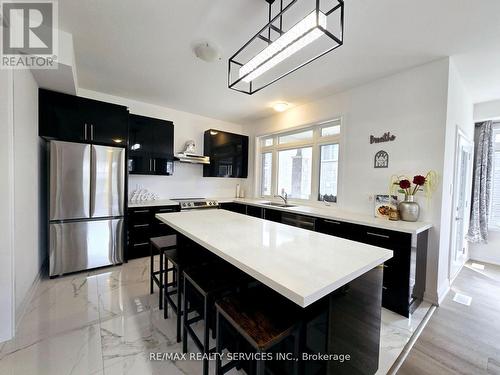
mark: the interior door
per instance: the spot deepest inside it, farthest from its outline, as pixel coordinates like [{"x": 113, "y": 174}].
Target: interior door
[
  {"x": 461, "y": 203},
  {"x": 107, "y": 182},
  {"x": 69, "y": 180}
]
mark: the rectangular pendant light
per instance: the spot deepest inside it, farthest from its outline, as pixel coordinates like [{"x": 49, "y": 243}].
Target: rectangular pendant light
[
  {"x": 277, "y": 49},
  {"x": 299, "y": 36}
]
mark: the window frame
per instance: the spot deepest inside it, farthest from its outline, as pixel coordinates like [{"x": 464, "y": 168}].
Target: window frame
[
  {"x": 315, "y": 143},
  {"x": 496, "y": 148}
]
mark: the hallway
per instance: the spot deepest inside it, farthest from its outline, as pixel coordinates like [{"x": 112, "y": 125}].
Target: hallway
[{"x": 462, "y": 339}]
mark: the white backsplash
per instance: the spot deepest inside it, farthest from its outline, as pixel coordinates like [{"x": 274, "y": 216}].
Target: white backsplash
[{"x": 187, "y": 182}]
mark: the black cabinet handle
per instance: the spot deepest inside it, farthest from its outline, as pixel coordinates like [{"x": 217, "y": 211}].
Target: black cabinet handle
[
  {"x": 141, "y": 211},
  {"x": 384, "y": 288},
  {"x": 378, "y": 235},
  {"x": 92, "y": 132},
  {"x": 332, "y": 222},
  {"x": 141, "y": 225},
  {"x": 154, "y": 165},
  {"x": 167, "y": 210},
  {"x": 85, "y": 132},
  {"x": 141, "y": 244}
]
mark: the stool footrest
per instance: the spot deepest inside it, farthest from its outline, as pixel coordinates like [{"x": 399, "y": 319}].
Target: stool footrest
[
  {"x": 195, "y": 338},
  {"x": 229, "y": 366}
]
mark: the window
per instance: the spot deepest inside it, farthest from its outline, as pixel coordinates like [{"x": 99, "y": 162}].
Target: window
[
  {"x": 328, "y": 172},
  {"x": 296, "y": 137},
  {"x": 266, "y": 168},
  {"x": 294, "y": 172},
  {"x": 302, "y": 163},
  {"x": 495, "y": 202}
]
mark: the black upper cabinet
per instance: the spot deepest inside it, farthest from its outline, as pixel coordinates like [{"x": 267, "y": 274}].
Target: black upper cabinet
[
  {"x": 74, "y": 119},
  {"x": 151, "y": 146},
  {"x": 228, "y": 154},
  {"x": 60, "y": 117},
  {"x": 107, "y": 123}
]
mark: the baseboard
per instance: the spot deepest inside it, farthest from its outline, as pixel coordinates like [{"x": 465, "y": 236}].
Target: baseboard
[
  {"x": 495, "y": 262},
  {"x": 437, "y": 298},
  {"x": 28, "y": 297}
]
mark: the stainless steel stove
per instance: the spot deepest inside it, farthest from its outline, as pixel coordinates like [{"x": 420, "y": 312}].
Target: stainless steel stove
[{"x": 196, "y": 203}]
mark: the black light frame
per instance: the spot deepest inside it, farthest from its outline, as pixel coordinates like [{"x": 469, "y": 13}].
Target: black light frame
[{"x": 233, "y": 63}]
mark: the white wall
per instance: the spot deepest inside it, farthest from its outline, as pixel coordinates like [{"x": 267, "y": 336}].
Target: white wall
[
  {"x": 29, "y": 245},
  {"x": 7, "y": 300},
  {"x": 487, "y": 111},
  {"x": 411, "y": 105},
  {"x": 490, "y": 252},
  {"x": 187, "y": 180},
  {"x": 459, "y": 116}
]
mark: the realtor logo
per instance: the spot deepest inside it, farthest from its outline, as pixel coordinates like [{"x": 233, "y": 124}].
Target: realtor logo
[{"x": 29, "y": 35}]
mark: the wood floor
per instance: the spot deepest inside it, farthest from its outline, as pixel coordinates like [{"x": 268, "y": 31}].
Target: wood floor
[{"x": 462, "y": 339}]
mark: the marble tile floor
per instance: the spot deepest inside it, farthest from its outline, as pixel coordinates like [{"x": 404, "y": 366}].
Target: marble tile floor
[{"x": 106, "y": 322}]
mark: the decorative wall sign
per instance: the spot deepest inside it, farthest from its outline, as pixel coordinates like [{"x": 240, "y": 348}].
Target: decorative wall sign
[
  {"x": 387, "y": 137},
  {"x": 381, "y": 160},
  {"x": 142, "y": 195}
]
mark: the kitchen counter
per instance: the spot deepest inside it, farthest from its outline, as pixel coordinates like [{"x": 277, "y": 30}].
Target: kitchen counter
[
  {"x": 153, "y": 203},
  {"x": 302, "y": 265},
  {"x": 333, "y": 213}
]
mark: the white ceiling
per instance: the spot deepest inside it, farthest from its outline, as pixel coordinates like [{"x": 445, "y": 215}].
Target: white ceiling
[{"x": 142, "y": 49}]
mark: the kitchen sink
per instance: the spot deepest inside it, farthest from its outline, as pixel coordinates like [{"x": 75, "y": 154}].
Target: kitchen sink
[{"x": 278, "y": 204}]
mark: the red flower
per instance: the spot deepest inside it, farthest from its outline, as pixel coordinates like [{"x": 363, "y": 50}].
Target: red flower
[
  {"x": 404, "y": 184},
  {"x": 419, "y": 180}
]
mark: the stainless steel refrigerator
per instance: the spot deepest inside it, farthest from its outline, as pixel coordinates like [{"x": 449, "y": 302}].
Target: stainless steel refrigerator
[{"x": 87, "y": 204}]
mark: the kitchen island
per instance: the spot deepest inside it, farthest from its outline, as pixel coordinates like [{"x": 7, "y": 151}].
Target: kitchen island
[{"x": 339, "y": 281}]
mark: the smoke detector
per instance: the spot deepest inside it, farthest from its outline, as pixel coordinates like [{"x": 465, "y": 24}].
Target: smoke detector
[{"x": 207, "y": 52}]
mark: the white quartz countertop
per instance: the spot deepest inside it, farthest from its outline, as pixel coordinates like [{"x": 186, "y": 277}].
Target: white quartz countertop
[
  {"x": 333, "y": 213},
  {"x": 329, "y": 213},
  {"x": 302, "y": 265},
  {"x": 153, "y": 203}
]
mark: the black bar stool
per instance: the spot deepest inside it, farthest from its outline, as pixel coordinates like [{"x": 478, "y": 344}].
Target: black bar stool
[
  {"x": 181, "y": 259},
  {"x": 262, "y": 319},
  {"x": 162, "y": 244},
  {"x": 202, "y": 286}
]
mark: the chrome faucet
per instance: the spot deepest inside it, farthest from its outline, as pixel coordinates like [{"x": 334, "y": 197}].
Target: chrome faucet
[{"x": 283, "y": 196}]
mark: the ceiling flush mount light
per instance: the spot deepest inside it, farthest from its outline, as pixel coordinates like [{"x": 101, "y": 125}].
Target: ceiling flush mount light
[
  {"x": 250, "y": 71},
  {"x": 207, "y": 52},
  {"x": 280, "y": 107}
]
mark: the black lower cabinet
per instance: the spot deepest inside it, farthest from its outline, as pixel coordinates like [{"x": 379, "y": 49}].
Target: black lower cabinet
[
  {"x": 299, "y": 221},
  {"x": 272, "y": 215},
  {"x": 336, "y": 228},
  {"x": 397, "y": 284},
  {"x": 255, "y": 211},
  {"x": 404, "y": 274},
  {"x": 142, "y": 225},
  {"x": 234, "y": 207}
]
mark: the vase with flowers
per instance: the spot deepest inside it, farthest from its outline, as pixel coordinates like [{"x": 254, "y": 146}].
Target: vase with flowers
[{"x": 409, "y": 210}]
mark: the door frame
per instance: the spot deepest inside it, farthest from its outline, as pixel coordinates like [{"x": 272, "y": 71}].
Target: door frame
[{"x": 460, "y": 138}]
